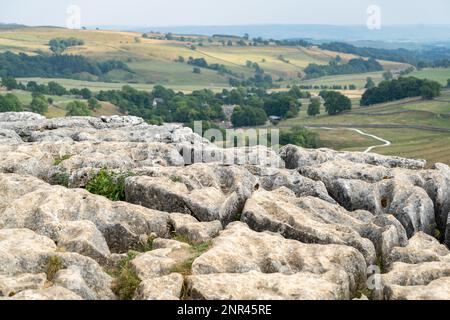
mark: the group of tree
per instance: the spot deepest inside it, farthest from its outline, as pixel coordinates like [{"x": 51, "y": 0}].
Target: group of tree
[
  {"x": 434, "y": 57},
  {"x": 399, "y": 89},
  {"x": 77, "y": 108},
  {"x": 62, "y": 66},
  {"x": 247, "y": 116},
  {"x": 335, "y": 102},
  {"x": 39, "y": 104},
  {"x": 59, "y": 45},
  {"x": 314, "y": 107},
  {"x": 162, "y": 104},
  {"x": 10, "y": 103},
  {"x": 199, "y": 63},
  {"x": 52, "y": 88},
  {"x": 259, "y": 80},
  {"x": 301, "y": 137},
  {"x": 314, "y": 70}
]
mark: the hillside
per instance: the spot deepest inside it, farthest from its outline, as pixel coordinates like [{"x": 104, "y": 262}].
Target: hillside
[
  {"x": 416, "y": 128},
  {"x": 153, "y": 61}
]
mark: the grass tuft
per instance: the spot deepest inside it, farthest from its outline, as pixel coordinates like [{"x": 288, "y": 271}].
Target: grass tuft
[
  {"x": 126, "y": 280},
  {"x": 59, "y": 160},
  {"x": 54, "y": 264},
  {"x": 108, "y": 184}
]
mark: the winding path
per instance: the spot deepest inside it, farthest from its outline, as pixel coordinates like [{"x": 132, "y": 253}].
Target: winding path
[{"x": 386, "y": 143}]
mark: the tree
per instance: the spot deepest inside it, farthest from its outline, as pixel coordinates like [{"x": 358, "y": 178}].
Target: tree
[
  {"x": 39, "y": 105},
  {"x": 9, "y": 83},
  {"x": 86, "y": 93},
  {"x": 94, "y": 104},
  {"x": 299, "y": 137},
  {"x": 10, "y": 103},
  {"x": 430, "y": 89},
  {"x": 77, "y": 109},
  {"x": 448, "y": 83},
  {"x": 314, "y": 108},
  {"x": 336, "y": 103},
  {"x": 401, "y": 88},
  {"x": 197, "y": 70},
  {"x": 370, "y": 83},
  {"x": 230, "y": 43},
  {"x": 56, "y": 89},
  {"x": 248, "y": 116},
  {"x": 388, "y": 75}
]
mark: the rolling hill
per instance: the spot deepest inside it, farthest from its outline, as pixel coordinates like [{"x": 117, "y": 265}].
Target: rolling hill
[{"x": 152, "y": 60}]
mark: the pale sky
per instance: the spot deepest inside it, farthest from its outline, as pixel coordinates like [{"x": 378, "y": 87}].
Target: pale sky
[{"x": 218, "y": 12}]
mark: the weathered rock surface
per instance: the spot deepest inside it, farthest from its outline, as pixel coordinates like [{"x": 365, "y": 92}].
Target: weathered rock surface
[
  {"x": 418, "y": 271},
  {"x": 312, "y": 220},
  {"x": 167, "y": 255},
  {"x": 26, "y": 202},
  {"x": 162, "y": 288},
  {"x": 207, "y": 192},
  {"x": 261, "y": 224},
  {"x": 417, "y": 198},
  {"x": 196, "y": 232},
  {"x": 10, "y": 285},
  {"x": 296, "y": 157},
  {"x": 52, "y": 293},
  {"x": 255, "y": 285},
  {"x": 24, "y": 252},
  {"x": 240, "y": 250}
]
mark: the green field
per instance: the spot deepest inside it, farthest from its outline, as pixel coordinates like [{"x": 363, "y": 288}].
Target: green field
[
  {"x": 406, "y": 142},
  {"x": 441, "y": 74},
  {"x": 153, "y": 61},
  {"x": 359, "y": 80},
  {"x": 58, "y": 108}
]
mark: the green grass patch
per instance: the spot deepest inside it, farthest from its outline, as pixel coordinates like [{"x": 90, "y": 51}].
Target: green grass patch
[
  {"x": 176, "y": 179},
  {"x": 54, "y": 264},
  {"x": 196, "y": 250},
  {"x": 108, "y": 184},
  {"x": 126, "y": 280},
  {"x": 61, "y": 179},
  {"x": 59, "y": 160}
]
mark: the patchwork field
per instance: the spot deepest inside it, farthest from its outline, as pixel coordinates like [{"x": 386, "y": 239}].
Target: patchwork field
[{"x": 153, "y": 61}]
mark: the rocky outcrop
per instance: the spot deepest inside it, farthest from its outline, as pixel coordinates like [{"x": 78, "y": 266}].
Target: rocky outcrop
[
  {"x": 296, "y": 157},
  {"x": 207, "y": 192},
  {"x": 26, "y": 202},
  {"x": 312, "y": 220},
  {"x": 23, "y": 252},
  {"x": 161, "y": 288},
  {"x": 255, "y": 285},
  {"x": 240, "y": 250},
  {"x": 202, "y": 222},
  {"x": 419, "y": 271}
]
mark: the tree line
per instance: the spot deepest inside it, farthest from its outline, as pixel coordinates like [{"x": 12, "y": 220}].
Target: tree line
[
  {"x": 54, "y": 66},
  {"x": 400, "y": 89},
  {"x": 59, "y": 45},
  {"x": 359, "y": 65},
  {"x": 436, "y": 57}
]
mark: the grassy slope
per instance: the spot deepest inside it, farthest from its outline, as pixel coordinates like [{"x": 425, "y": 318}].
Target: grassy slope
[
  {"x": 440, "y": 75},
  {"x": 432, "y": 146},
  {"x": 58, "y": 108},
  {"x": 153, "y": 60}
]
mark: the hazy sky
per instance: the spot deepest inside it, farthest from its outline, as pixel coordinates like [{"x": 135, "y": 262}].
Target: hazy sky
[{"x": 219, "y": 12}]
